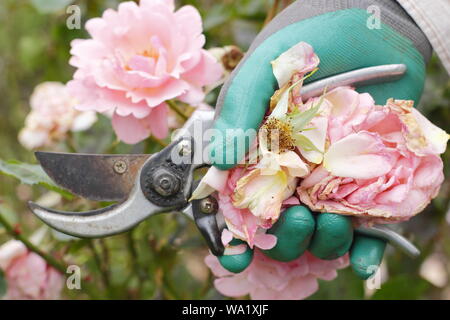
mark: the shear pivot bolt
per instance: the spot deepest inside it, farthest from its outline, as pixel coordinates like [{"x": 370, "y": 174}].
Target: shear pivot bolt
[
  {"x": 209, "y": 205},
  {"x": 120, "y": 167},
  {"x": 165, "y": 183},
  {"x": 184, "y": 148}
]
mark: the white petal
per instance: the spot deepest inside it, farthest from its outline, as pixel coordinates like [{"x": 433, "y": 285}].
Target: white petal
[
  {"x": 84, "y": 121},
  {"x": 281, "y": 108},
  {"x": 294, "y": 164},
  {"x": 299, "y": 58},
  {"x": 10, "y": 251},
  {"x": 318, "y": 137},
  {"x": 33, "y": 139},
  {"x": 436, "y": 137},
  {"x": 214, "y": 180}
]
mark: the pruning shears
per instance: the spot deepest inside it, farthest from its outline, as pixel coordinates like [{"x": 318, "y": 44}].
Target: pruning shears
[{"x": 144, "y": 185}]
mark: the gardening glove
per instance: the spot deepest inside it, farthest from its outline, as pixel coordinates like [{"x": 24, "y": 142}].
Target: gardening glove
[{"x": 346, "y": 37}]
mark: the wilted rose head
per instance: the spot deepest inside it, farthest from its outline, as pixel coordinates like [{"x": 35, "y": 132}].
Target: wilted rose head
[{"x": 381, "y": 162}]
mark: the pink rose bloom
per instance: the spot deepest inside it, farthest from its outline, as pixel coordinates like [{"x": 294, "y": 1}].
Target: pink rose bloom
[
  {"x": 380, "y": 162},
  {"x": 139, "y": 57},
  {"x": 267, "y": 279},
  {"x": 28, "y": 276}
]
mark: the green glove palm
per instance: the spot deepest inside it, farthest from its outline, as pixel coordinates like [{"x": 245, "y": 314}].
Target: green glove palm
[
  {"x": 344, "y": 42},
  {"x": 328, "y": 236}
]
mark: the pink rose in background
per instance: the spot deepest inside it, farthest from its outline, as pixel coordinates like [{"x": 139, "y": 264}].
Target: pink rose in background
[
  {"x": 28, "y": 276},
  {"x": 139, "y": 57},
  {"x": 52, "y": 116},
  {"x": 267, "y": 279},
  {"x": 381, "y": 162}
]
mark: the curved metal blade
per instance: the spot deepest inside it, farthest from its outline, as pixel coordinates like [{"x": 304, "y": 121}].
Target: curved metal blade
[
  {"x": 356, "y": 78},
  {"x": 103, "y": 222},
  {"x": 93, "y": 176},
  {"x": 392, "y": 237}
]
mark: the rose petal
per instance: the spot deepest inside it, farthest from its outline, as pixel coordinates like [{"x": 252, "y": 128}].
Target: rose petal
[
  {"x": 358, "y": 156},
  {"x": 265, "y": 241},
  {"x": 299, "y": 58}
]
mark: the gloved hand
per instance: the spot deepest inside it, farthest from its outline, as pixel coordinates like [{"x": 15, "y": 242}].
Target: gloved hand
[
  {"x": 326, "y": 235},
  {"x": 343, "y": 37}
]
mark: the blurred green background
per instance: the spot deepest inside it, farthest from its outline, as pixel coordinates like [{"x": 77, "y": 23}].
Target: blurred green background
[{"x": 162, "y": 257}]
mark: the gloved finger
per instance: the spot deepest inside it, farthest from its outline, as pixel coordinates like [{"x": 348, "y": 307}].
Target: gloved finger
[
  {"x": 340, "y": 36},
  {"x": 366, "y": 254},
  {"x": 237, "y": 263},
  {"x": 333, "y": 236},
  {"x": 293, "y": 230}
]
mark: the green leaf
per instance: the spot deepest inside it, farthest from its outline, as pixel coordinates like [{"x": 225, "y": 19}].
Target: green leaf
[
  {"x": 3, "y": 284},
  {"x": 49, "y": 6},
  {"x": 31, "y": 174},
  {"x": 301, "y": 120}
]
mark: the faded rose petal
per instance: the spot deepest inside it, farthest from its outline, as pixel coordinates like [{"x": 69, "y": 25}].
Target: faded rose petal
[
  {"x": 295, "y": 166},
  {"x": 214, "y": 180},
  {"x": 265, "y": 241},
  {"x": 226, "y": 237},
  {"x": 298, "y": 59},
  {"x": 263, "y": 194},
  {"x": 292, "y": 201},
  {"x": 241, "y": 222},
  {"x": 235, "y": 250},
  {"x": 422, "y": 137},
  {"x": 358, "y": 156},
  {"x": 317, "y": 135}
]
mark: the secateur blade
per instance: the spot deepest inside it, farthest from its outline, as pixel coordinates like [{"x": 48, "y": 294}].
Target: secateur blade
[
  {"x": 160, "y": 185},
  {"x": 93, "y": 176},
  {"x": 145, "y": 185}
]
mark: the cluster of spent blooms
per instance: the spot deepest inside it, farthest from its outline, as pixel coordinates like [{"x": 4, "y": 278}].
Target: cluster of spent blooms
[
  {"x": 139, "y": 57},
  {"x": 52, "y": 116},
  {"x": 28, "y": 276},
  {"x": 338, "y": 153}
]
